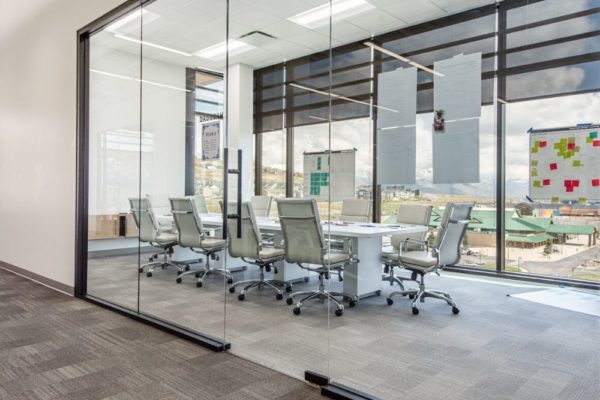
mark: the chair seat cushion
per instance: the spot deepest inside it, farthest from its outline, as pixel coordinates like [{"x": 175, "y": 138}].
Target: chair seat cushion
[
  {"x": 270, "y": 253},
  {"x": 166, "y": 238},
  {"x": 211, "y": 243},
  {"x": 411, "y": 259},
  {"x": 335, "y": 258}
]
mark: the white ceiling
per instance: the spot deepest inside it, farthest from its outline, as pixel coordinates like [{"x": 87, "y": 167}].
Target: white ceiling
[{"x": 192, "y": 25}]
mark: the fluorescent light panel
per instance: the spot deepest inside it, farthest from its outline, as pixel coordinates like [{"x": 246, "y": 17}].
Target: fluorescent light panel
[
  {"x": 126, "y": 19},
  {"x": 218, "y": 51},
  {"x": 319, "y": 16},
  {"x": 337, "y": 96},
  {"x": 150, "y": 44},
  {"x": 401, "y": 58},
  {"x": 129, "y": 78}
]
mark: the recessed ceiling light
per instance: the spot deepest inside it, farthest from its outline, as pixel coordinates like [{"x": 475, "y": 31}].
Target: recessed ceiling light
[
  {"x": 126, "y": 19},
  {"x": 150, "y": 44},
  {"x": 218, "y": 51},
  {"x": 402, "y": 58},
  {"x": 319, "y": 16}
]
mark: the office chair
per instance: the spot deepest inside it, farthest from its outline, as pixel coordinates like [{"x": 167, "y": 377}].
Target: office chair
[
  {"x": 194, "y": 237},
  {"x": 445, "y": 251},
  {"x": 261, "y": 205},
  {"x": 411, "y": 214},
  {"x": 149, "y": 232},
  {"x": 306, "y": 247},
  {"x": 200, "y": 203},
  {"x": 250, "y": 248},
  {"x": 354, "y": 210}
]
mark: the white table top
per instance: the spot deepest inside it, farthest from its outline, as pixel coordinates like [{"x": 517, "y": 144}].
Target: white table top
[{"x": 334, "y": 228}]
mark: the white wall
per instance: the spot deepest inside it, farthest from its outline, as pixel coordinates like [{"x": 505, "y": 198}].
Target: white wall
[{"x": 38, "y": 131}]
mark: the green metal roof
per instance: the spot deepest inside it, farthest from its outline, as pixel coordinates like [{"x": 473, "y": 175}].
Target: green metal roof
[
  {"x": 533, "y": 239},
  {"x": 536, "y": 227},
  {"x": 485, "y": 220},
  {"x": 571, "y": 229}
]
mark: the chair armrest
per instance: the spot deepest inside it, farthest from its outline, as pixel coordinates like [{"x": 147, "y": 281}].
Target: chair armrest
[
  {"x": 404, "y": 246},
  {"x": 210, "y": 232},
  {"x": 346, "y": 243}
]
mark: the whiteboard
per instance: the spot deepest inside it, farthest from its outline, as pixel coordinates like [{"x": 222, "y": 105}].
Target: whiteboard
[
  {"x": 321, "y": 180},
  {"x": 564, "y": 164}
]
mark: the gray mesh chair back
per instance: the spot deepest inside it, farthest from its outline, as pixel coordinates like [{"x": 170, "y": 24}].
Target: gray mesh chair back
[
  {"x": 354, "y": 210},
  {"x": 261, "y": 205},
  {"x": 451, "y": 233},
  {"x": 187, "y": 220},
  {"x": 412, "y": 214},
  {"x": 248, "y": 244},
  {"x": 301, "y": 226},
  {"x": 146, "y": 223}
]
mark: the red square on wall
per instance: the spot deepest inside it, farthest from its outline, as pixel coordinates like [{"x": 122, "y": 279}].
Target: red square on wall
[
  {"x": 553, "y": 166},
  {"x": 568, "y": 183},
  {"x": 596, "y": 143},
  {"x": 576, "y": 183},
  {"x": 596, "y": 182},
  {"x": 546, "y": 182},
  {"x": 543, "y": 143},
  {"x": 571, "y": 146}
]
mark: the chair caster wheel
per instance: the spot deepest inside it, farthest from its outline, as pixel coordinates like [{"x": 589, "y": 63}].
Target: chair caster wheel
[
  {"x": 178, "y": 280},
  {"x": 390, "y": 302},
  {"x": 232, "y": 289},
  {"x": 197, "y": 274},
  {"x": 455, "y": 310},
  {"x": 288, "y": 289},
  {"x": 241, "y": 297},
  {"x": 149, "y": 274},
  {"x": 179, "y": 272},
  {"x": 230, "y": 281},
  {"x": 141, "y": 270},
  {"x": 352, "y": 303},
  {"x": 296, "y": 310},
  {"x": 198, "y": 284},
  {"x": 411, "y": 296},
  {"x": 415, "y": 311},
  {"x": 279, "y": 296},
  {"x": 187, "y": 267},
  {"x": 339, "y": 313},
  {"x": 289, "y": 301}
]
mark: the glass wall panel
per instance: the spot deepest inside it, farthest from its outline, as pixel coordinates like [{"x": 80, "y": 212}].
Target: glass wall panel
[
  {"x": 261, "y": 322},
  {"x": 183, "y": 97},
  {"x": 430, "y": 132},
  {"x": 116, "y": 142},
  {"x": 552, "y": 232}
]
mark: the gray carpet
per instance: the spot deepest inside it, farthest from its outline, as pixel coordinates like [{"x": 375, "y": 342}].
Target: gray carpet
[
  {"x": 498, "y": 347},
  {"x": 54, "y": 347}
]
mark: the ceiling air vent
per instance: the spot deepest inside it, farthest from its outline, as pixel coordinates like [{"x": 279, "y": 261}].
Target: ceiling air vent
[{"x": 257, "y": 38}]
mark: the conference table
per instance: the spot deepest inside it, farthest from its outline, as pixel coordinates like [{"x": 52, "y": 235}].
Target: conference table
[{"x": 361, "y": 278}]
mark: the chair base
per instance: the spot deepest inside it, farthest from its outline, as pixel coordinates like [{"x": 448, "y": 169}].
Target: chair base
[
  {"x": 420, "y": 294},
  {"x": 393, "y": 278},
  {"x": 321, "y": 295},
  {"x": 161, "y": 264}
]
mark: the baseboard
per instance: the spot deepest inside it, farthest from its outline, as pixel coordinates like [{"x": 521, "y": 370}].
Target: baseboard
[{"x": 51, "y": 283}]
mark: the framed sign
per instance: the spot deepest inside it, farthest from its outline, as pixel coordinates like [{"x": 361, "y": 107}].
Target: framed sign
[{"x": 211, "y": 141}]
